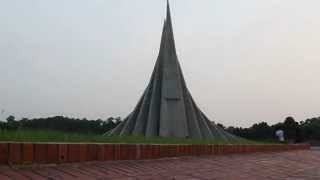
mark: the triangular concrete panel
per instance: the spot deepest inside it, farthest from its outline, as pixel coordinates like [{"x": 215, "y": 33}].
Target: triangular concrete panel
[{"x": 167, "y": 108}]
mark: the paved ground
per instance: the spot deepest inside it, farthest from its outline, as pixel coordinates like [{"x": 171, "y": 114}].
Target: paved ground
[{"x": 280, "y": 166}]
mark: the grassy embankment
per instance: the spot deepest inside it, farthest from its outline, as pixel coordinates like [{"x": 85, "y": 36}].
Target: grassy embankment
[{"x": 56, "y": 136}]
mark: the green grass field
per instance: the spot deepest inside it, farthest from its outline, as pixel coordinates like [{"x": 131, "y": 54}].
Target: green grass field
[{"x": 56, "y": 136}]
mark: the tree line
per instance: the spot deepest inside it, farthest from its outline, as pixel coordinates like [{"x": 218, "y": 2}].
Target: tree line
[
  {"x": 293, "y": 130},
  {"x": 61, "y": 123}
]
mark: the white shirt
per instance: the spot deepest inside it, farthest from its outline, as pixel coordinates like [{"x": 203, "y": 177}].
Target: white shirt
[{"x": 280, "y": 134}]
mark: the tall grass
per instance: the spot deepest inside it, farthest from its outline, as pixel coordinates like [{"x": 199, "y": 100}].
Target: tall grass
[{"x": 33, "y": 135}]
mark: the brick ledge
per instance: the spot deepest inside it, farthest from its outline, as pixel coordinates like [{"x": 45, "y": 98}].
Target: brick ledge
[{"x": 28, "y": 152}]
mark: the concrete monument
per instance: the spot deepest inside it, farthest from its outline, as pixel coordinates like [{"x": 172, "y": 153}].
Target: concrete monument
[{"x": 166, "y": 107}]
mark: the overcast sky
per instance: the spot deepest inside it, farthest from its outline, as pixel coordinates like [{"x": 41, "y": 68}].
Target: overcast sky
[{"x": 244, "y": 61}]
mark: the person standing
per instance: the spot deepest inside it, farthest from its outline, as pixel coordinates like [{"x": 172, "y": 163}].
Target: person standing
[{"x": 280, "y": 135}]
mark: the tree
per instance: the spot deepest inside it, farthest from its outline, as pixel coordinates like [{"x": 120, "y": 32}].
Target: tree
[
  {"x": 261, "y": 131},
  {"x": 310, "y": 129},
  {"x": 11, "y": 123},
  {"x": 117, "y": 119},
  {"x": 290, "y": 127},
  {"x": 11, "y": 119},
  {"x": 221, "y": 125}
]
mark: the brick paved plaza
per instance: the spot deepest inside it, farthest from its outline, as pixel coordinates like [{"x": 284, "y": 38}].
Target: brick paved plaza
[{"x": 303, "y": 164}]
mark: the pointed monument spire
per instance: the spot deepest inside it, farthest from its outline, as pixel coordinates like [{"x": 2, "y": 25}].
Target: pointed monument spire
[{"x": 166, "y": 107}]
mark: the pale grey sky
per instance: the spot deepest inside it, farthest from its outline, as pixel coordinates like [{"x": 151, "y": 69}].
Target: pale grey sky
[{"x": 244, "y": 61}]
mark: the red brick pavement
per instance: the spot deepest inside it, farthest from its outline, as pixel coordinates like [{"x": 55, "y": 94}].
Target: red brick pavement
[{"x": 302, "y": 164}]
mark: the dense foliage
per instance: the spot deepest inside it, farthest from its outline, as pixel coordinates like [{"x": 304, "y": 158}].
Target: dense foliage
[
  {"x": 63, "y": 124},
  {"x": 293, "y": 131}
]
